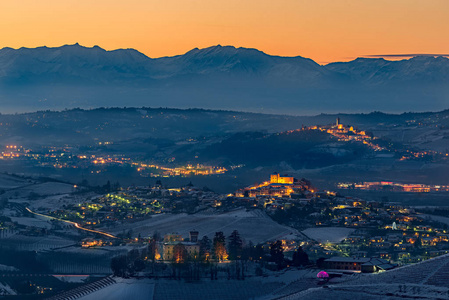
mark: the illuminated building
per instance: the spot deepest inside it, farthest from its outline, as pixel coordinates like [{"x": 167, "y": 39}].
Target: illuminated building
[
  {"x": 171, "y": 241},
  {"x": 89, "y": 242},
  {"x": 276, "y": 178},
  {"x": 278, "y": 186}
]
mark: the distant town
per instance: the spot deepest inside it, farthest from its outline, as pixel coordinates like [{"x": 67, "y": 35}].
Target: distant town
[
  {"x": 394, "y": 186},
  {"x": 64, "y": 157}
]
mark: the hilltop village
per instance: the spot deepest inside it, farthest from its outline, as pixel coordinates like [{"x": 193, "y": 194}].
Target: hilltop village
[{"x": 363, "y": 230}]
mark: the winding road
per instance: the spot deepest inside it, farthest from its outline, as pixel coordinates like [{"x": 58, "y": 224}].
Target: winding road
[{"x": 72, "y": 223}]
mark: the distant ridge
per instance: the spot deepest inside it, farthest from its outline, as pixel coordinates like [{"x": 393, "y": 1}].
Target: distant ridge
[
  {"x": 404, "y": 55},
  {"x": 217, "y": 77}
]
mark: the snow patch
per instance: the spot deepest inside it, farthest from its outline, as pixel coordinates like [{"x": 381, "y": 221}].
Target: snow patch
[{"x": 328, "y": 234}]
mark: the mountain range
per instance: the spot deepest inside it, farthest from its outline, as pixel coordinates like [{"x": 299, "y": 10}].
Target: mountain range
[{"x": 218, "y": 77}]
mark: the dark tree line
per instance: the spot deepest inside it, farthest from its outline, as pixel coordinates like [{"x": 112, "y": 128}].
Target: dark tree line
[
  {"x": 300, "y": 257},
  {"x": 129, "y": 264},
  {"x": 135, "y": 260},
  {"x": 193, "y": 266}
]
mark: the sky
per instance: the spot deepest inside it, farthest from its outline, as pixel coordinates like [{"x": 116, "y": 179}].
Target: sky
[{"x": 323, "y": 30}]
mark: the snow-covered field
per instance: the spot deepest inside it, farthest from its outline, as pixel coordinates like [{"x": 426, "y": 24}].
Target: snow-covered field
[
  {"x": 40, "y": 189},
  {"x": 80, "y": 268},
  {"x": 5, "y": 233},
  {"x": 10, "y": 182},
  {"x": 36, "y": 222},
  {"x": 424, "y": 280},
  {"x": 101, "y": 251},
  {"x": 53, "y": 202},
  {"x": 440, "y": 219},
  {"x": 211, "y": 290},
  {"x": 124, "y": 289},
  {"x": 262, "y": 288},
  {"x": 8, "y": 212},
  {"x": 77, "y": 260},
  {"x": 253, "y": 226},
  {"x": 325, "y": 293},
  {"x": 51, "y": 188},
  {"x": 6, "y": 290},
  {"x": 72, "y": 278},
  {"x": 373, "y": 291},
  {"x": 34, "y": 243},
  {"x": 8, "y": 268},
  {"x": 328, "y": 234}
]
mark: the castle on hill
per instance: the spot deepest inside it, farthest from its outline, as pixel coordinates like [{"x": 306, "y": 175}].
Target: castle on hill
[{"x": 278, "y": 186}]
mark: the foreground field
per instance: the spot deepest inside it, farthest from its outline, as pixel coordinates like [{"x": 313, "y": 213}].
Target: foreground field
[{"x": 425, "y": 280}]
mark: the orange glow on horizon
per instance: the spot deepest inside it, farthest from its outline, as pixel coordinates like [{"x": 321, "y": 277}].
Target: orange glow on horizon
[{"x": 323, "y": 30}]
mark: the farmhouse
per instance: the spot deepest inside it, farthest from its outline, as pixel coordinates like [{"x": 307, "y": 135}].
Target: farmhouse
[{"x": 358, "y": 264}]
